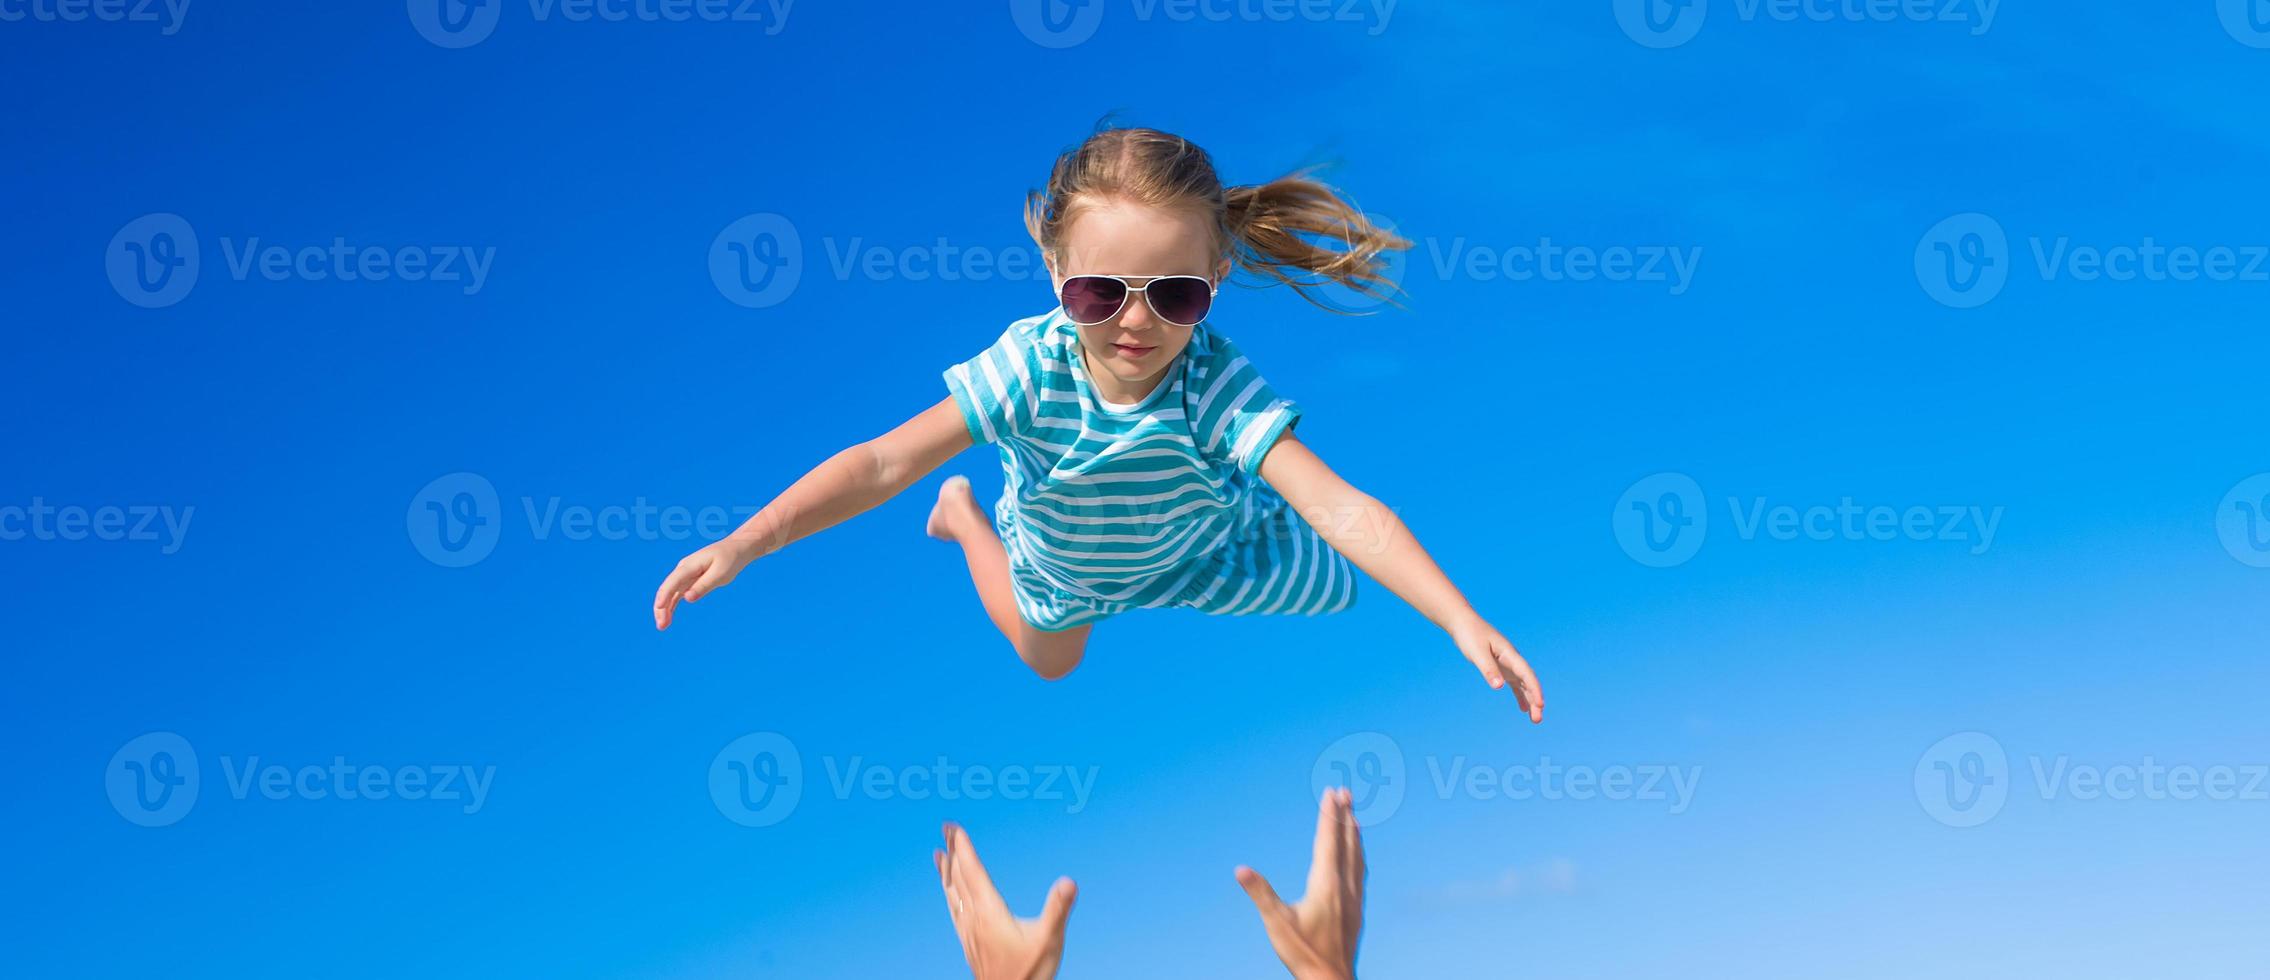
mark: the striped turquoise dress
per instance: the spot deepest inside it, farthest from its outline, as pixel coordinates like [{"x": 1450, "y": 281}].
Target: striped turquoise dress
[{"x": 1109, "y": 507}]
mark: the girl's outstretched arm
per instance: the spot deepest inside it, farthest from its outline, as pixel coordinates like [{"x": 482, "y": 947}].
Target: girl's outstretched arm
[
  {"x": 1375, "y": 539},
  {"x": 849, "y": 484}
]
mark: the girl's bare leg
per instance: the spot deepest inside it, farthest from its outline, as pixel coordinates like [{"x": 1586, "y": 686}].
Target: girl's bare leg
[{"x": 958, "y": 518}]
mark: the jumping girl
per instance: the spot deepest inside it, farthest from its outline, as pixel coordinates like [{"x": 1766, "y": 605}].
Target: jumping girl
[{"x": 1147, "y": 462}]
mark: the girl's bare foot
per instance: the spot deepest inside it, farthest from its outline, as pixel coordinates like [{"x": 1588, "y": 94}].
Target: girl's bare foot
[{"x": 957, "y": 506}]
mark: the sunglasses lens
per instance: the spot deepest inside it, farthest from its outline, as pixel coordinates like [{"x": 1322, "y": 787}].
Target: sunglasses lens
[
  {"x": 1181, "y": 300},
  {"x": 1092, "y": 299}
]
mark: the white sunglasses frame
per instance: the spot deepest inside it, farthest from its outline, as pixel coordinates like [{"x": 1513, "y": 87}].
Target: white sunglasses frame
[{"x": 1213, "y": 289}]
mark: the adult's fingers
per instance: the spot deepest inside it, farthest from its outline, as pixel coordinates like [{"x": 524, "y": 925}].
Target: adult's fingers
[
  {"x": 1264, "y": 898},
  {"x": 1324, "y": 861},
  {"x": 1059, "y": 907},
  {"x": 969, "y": 872},
  {"x": 946, "y": 888},
  {"x": 1351, "y": 847}
]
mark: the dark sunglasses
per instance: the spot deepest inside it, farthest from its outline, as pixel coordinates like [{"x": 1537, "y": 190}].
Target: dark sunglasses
[{"x": 1179, "y": 300}]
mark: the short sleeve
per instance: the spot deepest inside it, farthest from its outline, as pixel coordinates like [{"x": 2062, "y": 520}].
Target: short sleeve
[
  {"x": 998, "y": 391},
  {"x": 1237, "y": 416}
]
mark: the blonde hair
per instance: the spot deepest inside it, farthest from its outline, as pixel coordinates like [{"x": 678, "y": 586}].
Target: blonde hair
[{"x": 1290, "y": 230}]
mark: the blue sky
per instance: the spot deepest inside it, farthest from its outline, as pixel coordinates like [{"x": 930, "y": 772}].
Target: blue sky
[{"x": 1819, "y": 173}]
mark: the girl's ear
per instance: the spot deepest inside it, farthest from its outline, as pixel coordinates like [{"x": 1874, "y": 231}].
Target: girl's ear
[
  {"x": 1222, "y": 271},
  {"x": 1055, "y": 278}
]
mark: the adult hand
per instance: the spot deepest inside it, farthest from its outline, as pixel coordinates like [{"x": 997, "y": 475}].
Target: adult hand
[
  {"x": 998, "y": 945},
  {"x": 1316, "y": 938}
]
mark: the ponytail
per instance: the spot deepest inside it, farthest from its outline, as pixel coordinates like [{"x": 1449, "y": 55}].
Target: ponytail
[{"x": 1274, "y": 230}]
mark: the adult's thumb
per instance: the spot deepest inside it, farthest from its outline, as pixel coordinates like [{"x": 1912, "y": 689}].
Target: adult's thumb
[
  {"x": 1059, "y": 905},
  {"x": 1257, "y": 888}
]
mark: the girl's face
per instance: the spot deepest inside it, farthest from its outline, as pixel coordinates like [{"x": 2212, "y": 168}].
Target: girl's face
[{"x": 1139, "y": 243}]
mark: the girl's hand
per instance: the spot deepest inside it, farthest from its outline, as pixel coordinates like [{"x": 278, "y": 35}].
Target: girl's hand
[
  {"x": 998, "y": 945},
  {"x": 1494, "y": 655},
  {"x": 697, "y": 575}
]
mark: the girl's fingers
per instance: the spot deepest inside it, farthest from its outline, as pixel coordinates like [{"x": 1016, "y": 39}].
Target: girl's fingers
[
  {"x": 1488, "y": 665},
  {"x": 1526, "y": 690},
  {"x": 677, "y": 581},
  {"x": 718, "y": 573},
  {"x": 666, "y": 597}
]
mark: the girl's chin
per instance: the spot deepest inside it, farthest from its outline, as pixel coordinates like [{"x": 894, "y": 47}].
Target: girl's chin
[{"x": 1128, "y": 371}]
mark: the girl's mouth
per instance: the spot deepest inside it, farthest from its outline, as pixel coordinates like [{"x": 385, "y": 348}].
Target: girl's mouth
[{"x": 1131, "y": 351}]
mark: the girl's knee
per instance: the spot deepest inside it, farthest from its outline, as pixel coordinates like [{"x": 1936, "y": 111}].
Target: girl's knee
[{"x": 1052, "y": 655}]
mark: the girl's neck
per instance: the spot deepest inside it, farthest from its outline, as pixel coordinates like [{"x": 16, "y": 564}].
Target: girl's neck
[{"x": 1115, "y": 391}]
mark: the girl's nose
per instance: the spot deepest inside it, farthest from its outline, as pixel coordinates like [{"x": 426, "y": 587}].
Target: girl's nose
[{"x": 1137, "y": 314}]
